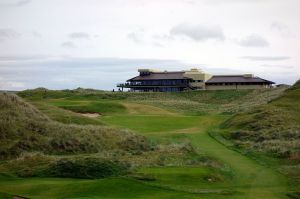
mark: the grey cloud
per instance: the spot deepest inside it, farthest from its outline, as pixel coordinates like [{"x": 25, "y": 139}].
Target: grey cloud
[
  {"x": 281, "y": 28},
  {"x": 133, "y": 36},
  {"x": 137, "y": 35},
  {"x": 22, "y": 2},
  {"x": 253, "y": 40},
  {"x": 164, "y": 37},
  {"x": 265, "y": 58},
  {"x": 16, "y": 3},
  {"x": 8, "y": 34},
  {"x": 105, "y": 64},
  {"x": 68, "y": 44},
  {"x": 157, "y": 44},
  {"x": 214, "y": 2},
  {"x": 37, "y": 34},
  {"x": 69, "y": 72},
  {"x": 23, "y": 58},
  {"x": 75, "y": 72},
  {"x": 277, "y": 66},
  {"x": 79, "y": 35},
  {"x": 198, "y": 32}
]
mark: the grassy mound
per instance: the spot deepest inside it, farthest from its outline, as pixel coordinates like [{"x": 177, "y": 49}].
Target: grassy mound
[
  {"x": 272, "y": 129},
  {"x": 24, "y": 128},
  {"x": 168, "y": 167},
  {"x": 32, "y": 144},
  {"x": 64, "y": 116}
]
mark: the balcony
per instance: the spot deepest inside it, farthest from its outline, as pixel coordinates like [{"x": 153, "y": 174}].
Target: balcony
[{"x": 152, "y": 84}]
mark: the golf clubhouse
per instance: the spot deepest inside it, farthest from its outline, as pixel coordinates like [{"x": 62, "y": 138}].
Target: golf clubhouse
[{"x": 150, "y": 80}]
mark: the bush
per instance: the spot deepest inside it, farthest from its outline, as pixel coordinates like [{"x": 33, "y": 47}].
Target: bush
[{"x": 88, "y": 168}]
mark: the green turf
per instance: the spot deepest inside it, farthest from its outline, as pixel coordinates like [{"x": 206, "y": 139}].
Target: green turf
[
  {"x": 249, "y": 177},
  {"x": 101, "y": 107},
  {"x": 161, "y": 123},
  {"x": 238, "y": 178},
  {"x": 188, "y": 178}
]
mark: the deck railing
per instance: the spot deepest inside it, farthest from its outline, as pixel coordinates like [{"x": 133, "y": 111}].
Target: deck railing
[{"x": 134, "y": 84}]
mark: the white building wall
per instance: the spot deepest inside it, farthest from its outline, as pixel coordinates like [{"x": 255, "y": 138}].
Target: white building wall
[{"x": 231, "y": 87}]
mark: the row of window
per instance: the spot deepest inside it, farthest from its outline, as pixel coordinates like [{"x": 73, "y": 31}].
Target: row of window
[
  {"x": 241, "y": 83},
  {"x": 163, "y": 89},
  {"x": 158, "y": 82}
]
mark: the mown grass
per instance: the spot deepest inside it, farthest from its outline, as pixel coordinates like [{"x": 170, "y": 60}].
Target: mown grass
[
  {"x": 195, "y": 179},
  {"x": 156, "y": 123},
  {"x": 50, "y": 188}
]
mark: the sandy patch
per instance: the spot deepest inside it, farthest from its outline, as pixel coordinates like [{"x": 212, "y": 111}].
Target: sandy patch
[{"x": 91, "y": 115}]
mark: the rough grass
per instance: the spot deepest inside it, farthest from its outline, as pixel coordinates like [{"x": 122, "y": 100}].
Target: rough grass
[
  {"x": 23, "y": 128},
  {"x": 272, "y": 130},
  {"x": 173, "y": 168},
  {"x": 192, "y": 103},
  {"x": 31, "y": 143},
  {"x": 64, "y": 116}
]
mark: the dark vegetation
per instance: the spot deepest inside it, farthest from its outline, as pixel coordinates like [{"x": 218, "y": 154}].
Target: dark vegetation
[
  {"x": 94, "y": 107},
  {"x": 87, "y": 168}
]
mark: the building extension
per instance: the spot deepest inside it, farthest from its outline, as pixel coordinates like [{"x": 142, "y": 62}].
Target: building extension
[{"x": 150, "y": 80}]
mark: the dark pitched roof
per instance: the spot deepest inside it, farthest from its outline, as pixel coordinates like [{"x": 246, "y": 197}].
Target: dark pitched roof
[
  {"x": 237, "y": 79},
  {"x": 160, "y": 75}
]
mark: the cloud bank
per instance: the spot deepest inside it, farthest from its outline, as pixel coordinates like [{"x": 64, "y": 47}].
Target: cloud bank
[
  {"x": 253, "y": 40},
  {"x": 8, "y": 34},
  {"x": 266, "y": 58},
  {"x": 79, "y": 35},
  {"x": 198, "y": 32}
]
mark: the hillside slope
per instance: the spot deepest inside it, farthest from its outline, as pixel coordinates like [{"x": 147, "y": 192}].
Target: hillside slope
[
  {"x": 184, "y": 162},
  {"x": 31, "y": 144},
  {"x": 24, "y": 128},
  {"x": 272, "y": 130}
]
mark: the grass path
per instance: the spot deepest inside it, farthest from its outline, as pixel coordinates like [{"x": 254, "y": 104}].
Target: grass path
[{"x": 251, "y": 178}]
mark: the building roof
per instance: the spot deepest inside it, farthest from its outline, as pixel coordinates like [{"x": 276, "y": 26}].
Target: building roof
[
  {"x": 160, "y": 75},
  {"x": 237, "y": 79}
]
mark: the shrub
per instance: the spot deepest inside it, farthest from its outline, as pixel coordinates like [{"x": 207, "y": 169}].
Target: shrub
[{"x": 88, "y": 168}]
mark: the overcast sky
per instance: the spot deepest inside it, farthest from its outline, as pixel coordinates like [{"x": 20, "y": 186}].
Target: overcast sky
[{"x": 61, "y": 44}]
